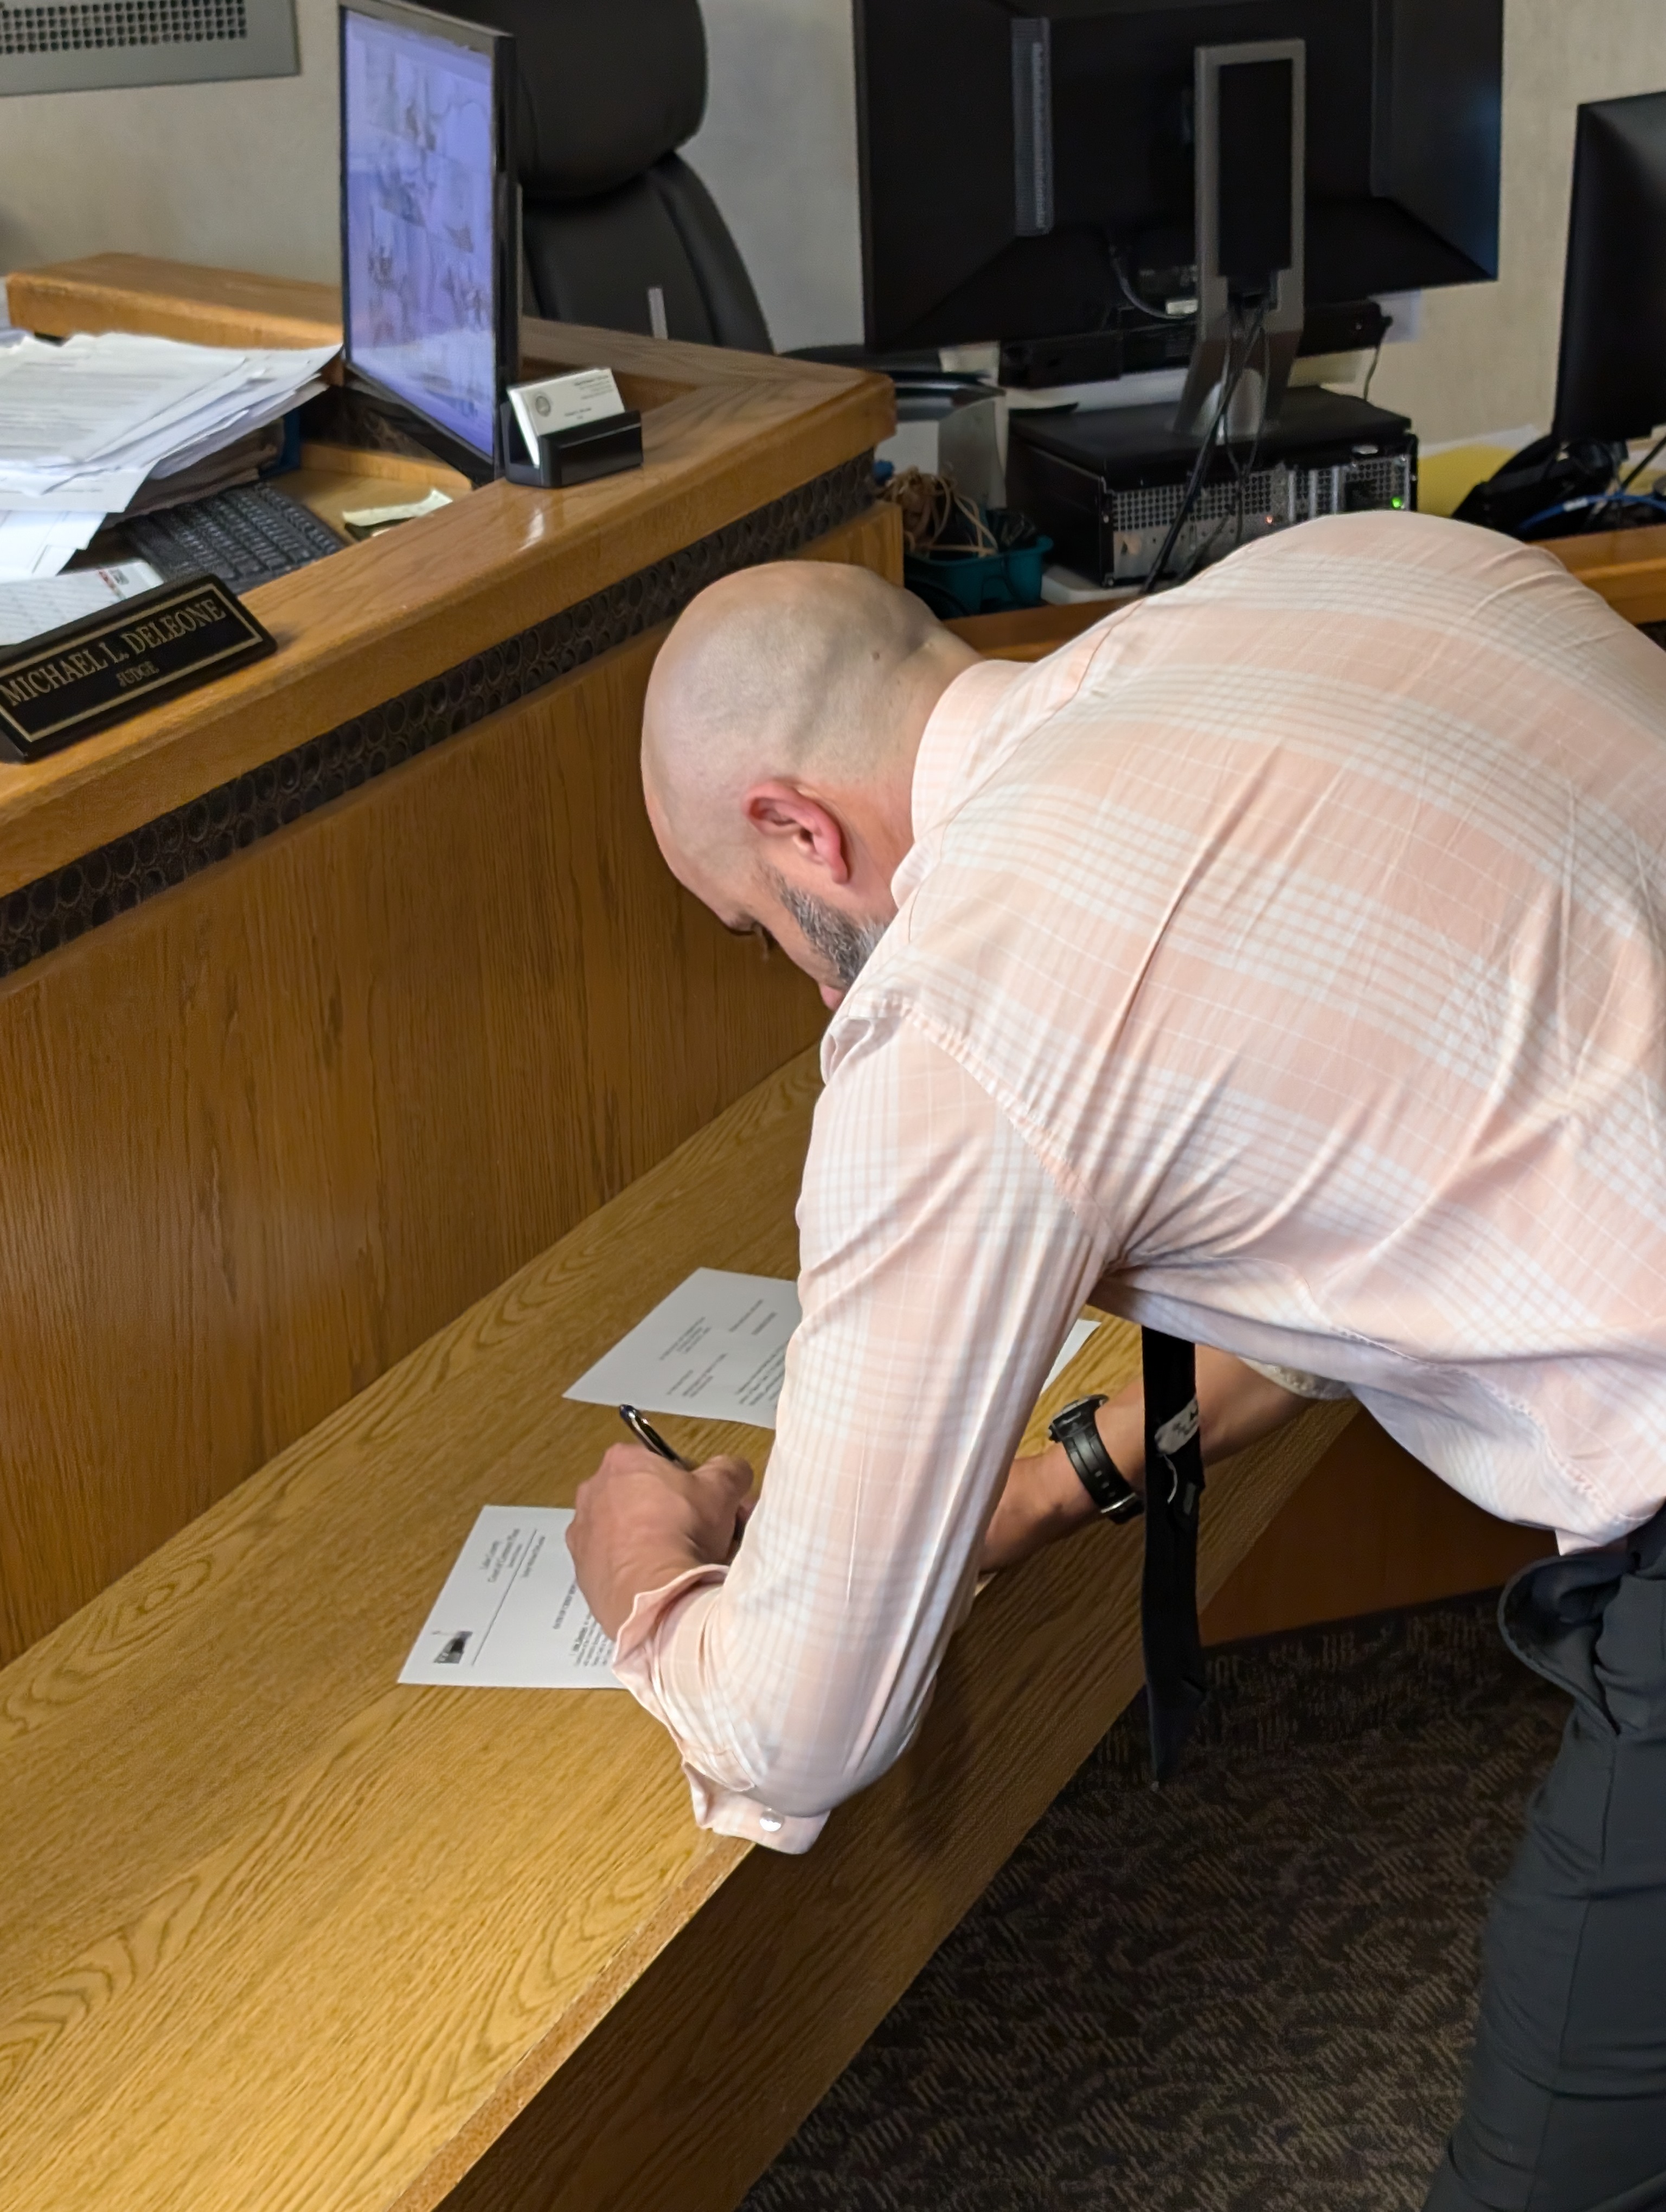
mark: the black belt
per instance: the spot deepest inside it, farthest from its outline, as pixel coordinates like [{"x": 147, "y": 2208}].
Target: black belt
[{"x": 1174, "y": 1494}]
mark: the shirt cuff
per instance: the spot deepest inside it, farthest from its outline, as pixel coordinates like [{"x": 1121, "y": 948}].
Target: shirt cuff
[{"x": 725, "y": 1812}]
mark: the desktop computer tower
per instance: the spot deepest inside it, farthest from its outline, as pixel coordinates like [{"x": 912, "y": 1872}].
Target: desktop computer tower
[{"x": 1106, "y": 484}]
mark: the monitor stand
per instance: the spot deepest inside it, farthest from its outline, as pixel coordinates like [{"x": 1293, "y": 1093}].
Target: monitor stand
[{"x": 1250, "y": 171}]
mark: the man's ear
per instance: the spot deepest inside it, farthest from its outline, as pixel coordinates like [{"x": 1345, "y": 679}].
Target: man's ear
[{"x": 784, "y": 816}]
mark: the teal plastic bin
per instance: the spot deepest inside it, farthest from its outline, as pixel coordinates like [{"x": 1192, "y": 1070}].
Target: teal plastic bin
[{"x": 955, "y": 580}]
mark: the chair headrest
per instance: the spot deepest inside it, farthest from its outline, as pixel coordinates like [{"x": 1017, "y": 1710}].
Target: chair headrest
[{"x": 607, "y": 87}]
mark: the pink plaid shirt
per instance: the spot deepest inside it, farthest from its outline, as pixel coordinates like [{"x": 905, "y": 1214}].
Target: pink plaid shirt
[{"x": 1283, "y": 963}]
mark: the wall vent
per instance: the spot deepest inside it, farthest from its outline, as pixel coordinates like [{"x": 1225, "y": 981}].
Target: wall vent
[
  {"x": 85, "y": 26},
  {"x": 74, "y": 45}
]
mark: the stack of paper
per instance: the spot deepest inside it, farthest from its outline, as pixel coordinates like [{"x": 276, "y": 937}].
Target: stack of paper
[
  {"x": 84, "y": 424},
  {"x": 33, "y": 605}
]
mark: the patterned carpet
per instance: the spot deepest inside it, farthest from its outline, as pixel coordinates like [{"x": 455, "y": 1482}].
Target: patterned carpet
[{"x": 1250, "y": 1993}]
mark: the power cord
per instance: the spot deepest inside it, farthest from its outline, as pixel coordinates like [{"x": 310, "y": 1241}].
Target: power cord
[
  {"x": 1143, "y": 307},
  {"x": 1376, "y": 355},
  {"x": 1244, "y": 474},
  {"x": 1230, "y": 384},
  {"x": 1628, "y": 480}
]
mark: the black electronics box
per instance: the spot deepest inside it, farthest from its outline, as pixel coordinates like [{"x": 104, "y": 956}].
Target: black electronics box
[{"x": 1105, "y": 484}]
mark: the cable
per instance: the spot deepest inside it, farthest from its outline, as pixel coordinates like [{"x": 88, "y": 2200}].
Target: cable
[
  {"x": 1365, "y": 389},
  {"x": 1194, "y": 482},
  {"x": 1626, "y": 482},
  {"x": 1125, "y": 286},
  {"x": 1593, "y": 502},
  {"x": 1244, "y": 474},
  {"x": 1152, "y": 315}
]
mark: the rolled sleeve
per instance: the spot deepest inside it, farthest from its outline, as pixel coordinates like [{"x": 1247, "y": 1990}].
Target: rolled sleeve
[{"x": 941, "y": 1268}]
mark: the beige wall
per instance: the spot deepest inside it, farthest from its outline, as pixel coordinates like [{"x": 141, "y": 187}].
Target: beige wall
[
  {"x": 242, "y": 175},
  {"x": 245, "y": 175}
]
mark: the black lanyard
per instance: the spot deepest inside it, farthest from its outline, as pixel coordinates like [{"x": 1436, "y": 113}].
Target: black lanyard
[{"x": 1168, "y": 1590}]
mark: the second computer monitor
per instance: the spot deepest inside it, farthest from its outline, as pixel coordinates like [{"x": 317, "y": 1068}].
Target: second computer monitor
[
  {"x": 1611, "y": 375},
  {"x": 430, "y": 236},
  {"x": 1022, "y": 171}
]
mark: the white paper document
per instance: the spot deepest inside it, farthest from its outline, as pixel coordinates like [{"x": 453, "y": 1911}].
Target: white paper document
[
  {"x": 1079, "y": 1333},
  {"x": 84, "y": 424},
  {"x": 37, "y": 603},
  {"x": 41, "y": 544},
  {"x": 511, "y": 1615},
  {"x": 715, "y": 1348}
]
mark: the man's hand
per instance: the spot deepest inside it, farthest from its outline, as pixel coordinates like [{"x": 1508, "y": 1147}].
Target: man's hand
[{"x": 641, "y": 1522}]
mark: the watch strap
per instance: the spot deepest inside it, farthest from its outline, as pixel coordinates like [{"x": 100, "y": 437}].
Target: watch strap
[{"x": 1114, "y": 1498}]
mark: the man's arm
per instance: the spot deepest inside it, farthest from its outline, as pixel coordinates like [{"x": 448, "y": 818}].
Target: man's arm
[
  {"x": 1044, "y": 1499},
  {"x": 942, "y": 1267}
]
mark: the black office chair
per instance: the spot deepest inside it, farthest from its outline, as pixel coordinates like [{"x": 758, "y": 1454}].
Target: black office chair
[{"x": 610, "y": 215}]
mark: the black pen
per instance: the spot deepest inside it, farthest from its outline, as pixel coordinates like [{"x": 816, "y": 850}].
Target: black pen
[{"x": 645, "y": 1433}]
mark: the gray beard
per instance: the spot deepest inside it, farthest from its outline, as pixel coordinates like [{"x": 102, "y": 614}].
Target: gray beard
[{"x": 846, "y": 946}]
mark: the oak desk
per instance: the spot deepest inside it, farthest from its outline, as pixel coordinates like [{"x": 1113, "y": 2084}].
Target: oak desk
[
  {"x": 278, "y": 1934},
  {"x": 1628, "y": 567},
  {"x": 337, "y": 989}
]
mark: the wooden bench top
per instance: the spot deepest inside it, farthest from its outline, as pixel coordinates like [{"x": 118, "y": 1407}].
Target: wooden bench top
[{"x": 278, "y": 1934}]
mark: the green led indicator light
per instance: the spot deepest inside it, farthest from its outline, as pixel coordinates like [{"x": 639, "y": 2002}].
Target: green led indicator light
[{"x": 1396, "y": 502}]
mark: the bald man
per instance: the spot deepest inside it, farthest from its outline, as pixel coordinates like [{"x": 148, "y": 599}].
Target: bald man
[{"x": 1283, "y": 966}]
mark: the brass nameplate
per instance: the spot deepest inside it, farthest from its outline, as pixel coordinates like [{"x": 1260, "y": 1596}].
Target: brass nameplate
[{"x": 68, "y": 683}]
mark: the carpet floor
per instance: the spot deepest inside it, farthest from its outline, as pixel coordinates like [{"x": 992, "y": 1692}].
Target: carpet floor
[{"x": 1253, "y": 1991}]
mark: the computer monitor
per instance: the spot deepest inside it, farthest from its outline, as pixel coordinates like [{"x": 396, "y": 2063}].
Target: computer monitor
[
  {"x": 1611, "y": 373},
  {"x": 1022, "y": 174},
  {"x": 430, "y": 229}
]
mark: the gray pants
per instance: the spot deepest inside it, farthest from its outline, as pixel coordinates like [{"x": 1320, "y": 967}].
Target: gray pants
[{"x": 1566, "y": 2104}]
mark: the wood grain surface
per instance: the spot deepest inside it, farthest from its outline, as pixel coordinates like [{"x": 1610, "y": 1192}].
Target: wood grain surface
[
  {"x": 279, "y": 1934},
  {"x": 172, "y": 300},
  {"x": 1371, "y": 1531},
  {"x": 363, "y": 625},
  {"x": 1628, "y": 567},
  {"x": 271, "y": 1129}
]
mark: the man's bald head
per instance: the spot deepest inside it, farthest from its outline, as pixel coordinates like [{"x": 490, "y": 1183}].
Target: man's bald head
[
  {"x": 779, "y": 736},
  {"x": 800, "y": 669}
]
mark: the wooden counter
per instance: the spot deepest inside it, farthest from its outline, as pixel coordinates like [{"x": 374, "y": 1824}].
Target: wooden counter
[
  {"x": 281, "y": 1936},
  {"x": 342, "y": 987},
  {"x": 172, "y": 300},
  {"x": 1628, "y": 567}
]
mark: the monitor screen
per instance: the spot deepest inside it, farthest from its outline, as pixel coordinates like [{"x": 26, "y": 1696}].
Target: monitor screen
[{"x": 423, "y": 162}]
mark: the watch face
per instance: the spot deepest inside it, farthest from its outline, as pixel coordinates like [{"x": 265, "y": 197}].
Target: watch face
[{"x": 1073, "y": 1416}]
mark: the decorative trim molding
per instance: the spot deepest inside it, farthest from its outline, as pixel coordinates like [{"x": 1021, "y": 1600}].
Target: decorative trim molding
[{"x": 57, "y": 908}]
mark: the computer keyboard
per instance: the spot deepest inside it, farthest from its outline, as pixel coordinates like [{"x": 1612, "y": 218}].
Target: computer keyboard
[{"x": 245, "y": 536}]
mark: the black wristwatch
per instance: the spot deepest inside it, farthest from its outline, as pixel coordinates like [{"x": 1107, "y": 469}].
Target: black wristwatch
[{"x": 1077, "y": 1431}]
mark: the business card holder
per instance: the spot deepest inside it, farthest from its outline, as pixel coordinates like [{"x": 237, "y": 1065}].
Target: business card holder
[{"x": 575, "y": 456}]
